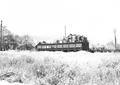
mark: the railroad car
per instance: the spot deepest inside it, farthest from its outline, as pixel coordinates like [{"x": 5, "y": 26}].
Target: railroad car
[{"x": 66, "y": 46}]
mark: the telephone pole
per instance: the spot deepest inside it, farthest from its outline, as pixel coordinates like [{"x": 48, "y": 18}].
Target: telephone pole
[
  {"x": 1, "y": 36},
  {"x": 1, "y": 30}
]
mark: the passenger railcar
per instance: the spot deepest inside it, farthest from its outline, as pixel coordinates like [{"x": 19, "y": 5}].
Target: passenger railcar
[
  {"x": 59, "y": 47},
  {"x": 64, "y": 46}
]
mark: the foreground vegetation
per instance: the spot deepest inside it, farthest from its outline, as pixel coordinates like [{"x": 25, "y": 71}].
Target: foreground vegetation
[{"x": 48, "y": 69}]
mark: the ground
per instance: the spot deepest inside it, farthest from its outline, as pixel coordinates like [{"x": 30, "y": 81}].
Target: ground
[{"x": 59, "y": 68}]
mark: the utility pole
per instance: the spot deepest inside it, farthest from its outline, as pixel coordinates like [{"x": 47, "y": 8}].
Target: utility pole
[
  {"x": 1, "y": 35},
  {"x": 115, "y": 39},
  {"x": 1, "y": 30}
]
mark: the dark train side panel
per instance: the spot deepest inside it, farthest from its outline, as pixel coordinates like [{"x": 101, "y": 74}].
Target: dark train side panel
[{"x": 60, "y": 47}]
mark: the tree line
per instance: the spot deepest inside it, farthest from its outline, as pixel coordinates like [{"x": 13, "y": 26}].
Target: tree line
[{"x": 9, "y": 41}]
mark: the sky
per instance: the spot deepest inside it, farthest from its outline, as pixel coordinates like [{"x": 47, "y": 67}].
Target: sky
[{"x": 46, "y": 19}]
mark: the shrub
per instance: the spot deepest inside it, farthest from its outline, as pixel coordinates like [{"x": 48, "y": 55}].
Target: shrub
[{"x": 53, "y": 80}]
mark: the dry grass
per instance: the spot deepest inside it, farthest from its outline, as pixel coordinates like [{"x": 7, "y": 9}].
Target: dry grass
[{"x": 48, "y": 69}]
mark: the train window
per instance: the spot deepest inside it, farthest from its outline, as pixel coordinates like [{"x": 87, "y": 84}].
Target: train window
[
  {"x": 48, "y": 46},
  {"x": 65, "y": 45},
  {"x": 43, "y": 46},
  {"x": 39, "y": 46},
  {"x": 72, "y": 45},
  {"x": 78, "y": 45},
  {"x": 59, "y": 46},
  {"x": 53, "y": 46}
]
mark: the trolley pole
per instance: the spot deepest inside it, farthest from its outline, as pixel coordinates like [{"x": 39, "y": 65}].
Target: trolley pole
[
  {"x": 65, "y": 31},
  {"x": 115, "y": 39}
]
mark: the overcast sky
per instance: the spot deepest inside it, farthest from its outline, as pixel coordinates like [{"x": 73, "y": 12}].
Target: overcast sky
[{"x": 46, "y": 19}]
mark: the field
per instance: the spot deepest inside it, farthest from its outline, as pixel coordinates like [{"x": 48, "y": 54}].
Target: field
[{"x": 59, "y": 68}]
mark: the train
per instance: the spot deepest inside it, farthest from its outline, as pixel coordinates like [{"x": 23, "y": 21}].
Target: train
[{"x": 69, "y": 43}]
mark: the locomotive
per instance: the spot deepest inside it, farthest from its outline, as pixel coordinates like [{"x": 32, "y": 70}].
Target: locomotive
[{"x": 67, "y": 44}]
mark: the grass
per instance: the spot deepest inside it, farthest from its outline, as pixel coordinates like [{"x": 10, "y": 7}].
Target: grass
[{"x": 25, "y": 69}]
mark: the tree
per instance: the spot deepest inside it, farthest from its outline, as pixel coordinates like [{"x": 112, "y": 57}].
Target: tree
[
  {"x": 57, "y": 41},
  {"x": 10, "y": 42},
  {"x": 44, "y": 42},
  {"x": 26, "y": 43}
]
